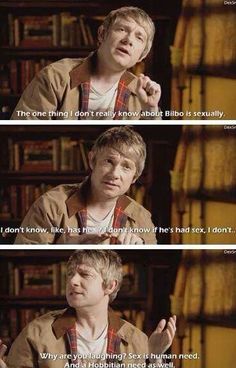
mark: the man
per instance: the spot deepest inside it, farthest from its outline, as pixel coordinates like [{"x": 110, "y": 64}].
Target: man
[
  {"x": 98, "y": 87},
  {"x": 96, "y": 211},
  {"x": 88, "y": 331}
]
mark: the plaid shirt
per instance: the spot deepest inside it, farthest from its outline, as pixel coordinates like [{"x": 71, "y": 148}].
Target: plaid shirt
[
  {"x": 119, "y": 221},
  {"x": 113, "y": 344},
  {"x": 122, "y": 98}
]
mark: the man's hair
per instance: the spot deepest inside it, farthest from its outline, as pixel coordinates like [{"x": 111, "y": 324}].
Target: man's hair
[
  {"x": 139, "y": 15},
  {"x": 106, "y": 262},
  {"x": 127, "y": 142}
]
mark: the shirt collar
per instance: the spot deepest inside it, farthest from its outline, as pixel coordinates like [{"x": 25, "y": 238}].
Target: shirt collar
[
  {"x": 82, "y": 73},
  {"x": 77, "y": 201},
  {"x": 67, "y": 320}
]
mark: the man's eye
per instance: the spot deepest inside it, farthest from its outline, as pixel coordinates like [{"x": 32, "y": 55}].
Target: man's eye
[
  {"x": 70, "y": 274},
  {"x": 140, "y": 38},
  {"x": 84, "y": 275}
]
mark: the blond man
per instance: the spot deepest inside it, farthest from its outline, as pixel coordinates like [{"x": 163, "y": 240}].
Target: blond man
[
  {"x": 88, "y": 331},
  {"x": 96, "y": 211},
  {"x": 98, "y": 87}
]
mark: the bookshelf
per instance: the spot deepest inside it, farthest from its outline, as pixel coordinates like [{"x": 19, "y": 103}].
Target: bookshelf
[
  {"x": 38, "y": 33},
  {"x": 136, "y": 303},
  {"x": 20, "y": 187}
]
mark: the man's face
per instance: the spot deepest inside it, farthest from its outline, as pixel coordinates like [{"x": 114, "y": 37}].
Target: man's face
[
  {"x": 84, "y": 287},
  {"x": 124, "y": 43},
  {"x": 112, "y": 173}
]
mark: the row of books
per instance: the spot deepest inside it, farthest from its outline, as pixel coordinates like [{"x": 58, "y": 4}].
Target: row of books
[
  {"x": 15, "y": 200},
  {"x": 47, "y": 280},
  {"x": 58, "y": 30},
  {"x": 17, "y": 74},
  {"x": 61, "y": 154},
  {"x": 37, "y": 280}
]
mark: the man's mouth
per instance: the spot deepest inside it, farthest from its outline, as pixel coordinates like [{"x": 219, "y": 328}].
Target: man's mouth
[
  {"x": 109, "y": 183},
  {"x": 73, "y": 292},
  {"x": 123, "y": 50}
]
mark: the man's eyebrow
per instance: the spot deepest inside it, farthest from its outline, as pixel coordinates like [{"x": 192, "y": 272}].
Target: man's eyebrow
[
  {"x": 141, "y": 32},
  {"x": 128, "y": 160}
]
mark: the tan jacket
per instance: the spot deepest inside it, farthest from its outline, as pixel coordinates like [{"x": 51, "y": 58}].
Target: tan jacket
[
  {"x": 47, "y": 334},
  {"x": 59, "y": 208},
  {"x": 56, "y": 88}
]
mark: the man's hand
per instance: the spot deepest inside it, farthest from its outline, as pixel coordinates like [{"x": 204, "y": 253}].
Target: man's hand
[
  {"x": 149, "y": 92},
  {"x": 82, "y": 239},
  {"x": 161, "y": 339},
  {"x": 3, "y": 350},
  {"x": 127, "y": 238}
]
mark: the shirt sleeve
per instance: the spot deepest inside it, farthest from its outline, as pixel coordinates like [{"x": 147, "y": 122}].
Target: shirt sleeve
[
  {"x": 37, "y": 225},
  {"x": 22, "y": 353}
]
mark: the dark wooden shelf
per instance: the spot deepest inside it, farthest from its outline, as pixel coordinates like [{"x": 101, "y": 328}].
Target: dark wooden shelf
[
  {"x": 60, "y": 300},
  {"x": 9, "y": 51},
  {"x": 39, "y": 129},
  {"x": 221, "y": 321},
  {"x": 32, "y": 300},
  {"x": 49, "y": 177},
  {"x": 51, "y": 4},
  {"x": 11, "y": 97}
]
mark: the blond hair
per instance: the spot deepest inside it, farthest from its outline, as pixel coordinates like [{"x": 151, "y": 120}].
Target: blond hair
[
  {"x": 137, "y": 14},
  {"x": 106, "y": 262},
  {"x": 127, "y": 142}
]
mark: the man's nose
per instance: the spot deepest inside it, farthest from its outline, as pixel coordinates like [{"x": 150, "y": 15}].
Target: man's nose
[
  {"x": 75, "y": 280},
  {"x": 128, "y": 38},
  {"x": 115, "y": 171}
]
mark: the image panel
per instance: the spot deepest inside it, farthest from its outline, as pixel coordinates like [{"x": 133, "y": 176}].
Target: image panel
[
  {"x": 71, "y": 60},
  {"x": 138, "y": 185},
  {"x": 60, "y": 308}
]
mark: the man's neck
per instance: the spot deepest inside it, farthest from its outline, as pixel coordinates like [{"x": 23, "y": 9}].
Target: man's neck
[
  {"x": 105, "y": 77},
  {"x": 91, "y": 323},
  {"x": 95, "y": 200}
]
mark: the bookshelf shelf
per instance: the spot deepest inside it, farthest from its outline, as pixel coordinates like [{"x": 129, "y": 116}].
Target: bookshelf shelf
[
  {"x": 35, "y": 177},
  {"x": 51, "y": 4},
  {"x": 27, "y": 300},
  {"x": 42, "y": 51}
]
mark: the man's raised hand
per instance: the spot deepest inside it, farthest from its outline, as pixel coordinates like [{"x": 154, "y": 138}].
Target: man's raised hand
[
  {"x": 149, "y": 92},
  {"x": 3, "y": 350},
  {"x": 162, "y": 338}
]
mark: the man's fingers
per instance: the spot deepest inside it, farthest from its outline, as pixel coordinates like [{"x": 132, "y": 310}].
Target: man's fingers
[
  {"x": 161, "y": 325},
  {"x": 152, "y": 88},
  {"x": 170, "y": 330},
  {"x": 97, "y": 238},
  {"x": 172, "y": 321},
  {"x": 127, "y": 238},
  {"x": 3, "y": 349},
  {"x": 171, "y": 327}
]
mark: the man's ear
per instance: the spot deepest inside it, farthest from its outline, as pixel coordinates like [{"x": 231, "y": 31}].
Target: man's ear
[
  {"x": 101, "y": 34},
  {"x": 91, "y": 157},
  {"x": 111, "y": 287}
]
